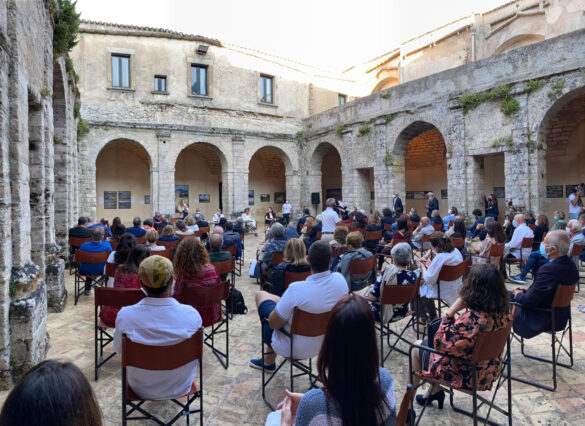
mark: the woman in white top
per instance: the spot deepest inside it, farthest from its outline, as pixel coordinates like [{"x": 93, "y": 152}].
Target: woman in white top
[
  {"x": 151, "y": 238},
  {"x": 190, "y": 224},
  {"x": 443, "y": 254},
  {"x": 125, "y": 245}
]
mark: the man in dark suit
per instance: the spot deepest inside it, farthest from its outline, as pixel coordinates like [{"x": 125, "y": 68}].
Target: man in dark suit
[
  {"x": 302, "y": 220},
  {"x": 560, "y": 270},
  {"x": 81, "y": 230},
  {"x": 201, "y": 224},
  {"x": 397, "y": 205},
  {"x": 433, "y": 204}
]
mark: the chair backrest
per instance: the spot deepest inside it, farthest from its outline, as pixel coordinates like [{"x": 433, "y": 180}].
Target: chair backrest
[
  {"x": 527, "y": 242},
  {"x": 141, "y": 240},
  {"x": 310, "y": 325},
  {"x": 404, "y": 407},
  {"x": 159, "y": 230},
  {"x": 174, "y": 219},
  {"x": 318, "y": 235},
  {"x": 412, "y": 225},
  {"x": 119, "y": 297},
  {"x": 184, "y": 237},
  {"x": 576, "y": 250},
  {"x": 458, "y": 243},
  {"x": 563, "y": 296},
  {"x": 293, "y": 277},
  {"x": 374, "y": 235},
  {"x": 426, "y": 238},
  {"x": 204, "y": 230},
  {"x": 387, "y": 227},
  {"x": 490, "y": 345},
  {"x": 277, "y": 258},
  {"x": 242, "y": 236},
  {"x": 231, "y": 250},
  {"x": 169, "y": 244},
  {"x": 159, "y": 358},
  {"x": 77, "y": 242},
  {"x": 362, "y": 266},
  {"x": 111, "y": 269},
  {"x": 532, "y": 226},
  {"x": 360, "y": 230},
  {"x": 338, "y": 251},
  {"x": 205, "y": 295},
  {"x": 114, "y": 245},
  {"x": 451, "y": 223},
  {"x": 438, "y": 226},
  {"x": 497, "y": 250},
  {"x": 451, "y": 273},
  {"x": 399, "y": 294},
  {"x": 224, "y": 266},
  {"x": 82, "y": 256}
]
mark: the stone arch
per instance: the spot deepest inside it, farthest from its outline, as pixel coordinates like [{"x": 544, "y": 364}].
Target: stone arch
[
  {"x": 420, "y": 156},
  {"x": 325, "y": 171},
  {"x": 202, "y": 168},
  {"x": 385, "y": 84},
  {"x": 123, "y": 165},
  {"x": 517, "y": 41}
]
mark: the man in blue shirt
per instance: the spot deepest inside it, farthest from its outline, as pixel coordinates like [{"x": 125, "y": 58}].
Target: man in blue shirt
[
  {"x": 136, "y": 230},
  {"x": 104, "y": 224},
  {"x": 231, "y": 238},
  {"x": 450, "y": 217},
  {"x": 96, "y": 245},
  {"x": 198, "y": 212}
]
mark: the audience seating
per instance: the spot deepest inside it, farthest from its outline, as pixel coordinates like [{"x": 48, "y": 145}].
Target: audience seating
[
  {"x": 302, "y": 324},
  {"x": 490, "y": 345},
  {"x": 184, "y": 237},
  {"x": 174, "y": 220},
  {"x": 169, "y": 244},
  {"x": 562, "y": 299},
  {"x": 75, "y": 243},
  {"x": 532, "y": 226},
  {"x": 111, "y": 269},
  {"x": 458, "y": 243},
  {"x": 526, "y": 244},
  {"x": 424, "y": 242},
  {"x": 387, "y": 227},
  {"x": 318, "y": 236},
  {"x": 114, "y": 245},
  {"x": 141, "y": 240},
  {"x": 402, "y": 415},
  {"x": 396, "y": 295},
  {"x": 360, "y": 230},
  {"x": 202, "y": 296},
  {"x": 161, "y": 358},
  {"x": 168, "y": 253},
  {"x": 226, "y": 267},
  {"x": 412, "y": 225},
  {"x": 373, "y": 236},
  {"x": 438, "y": 226},
  {"x": 338, "y": 251},
  {"x": 450, "y": 273},
  {"x": 293, "y": 277},
  {"x": 159, "y": 230},
  {"x": 89, "y": 258},
  {"x": 362, "y": 266},
  {"x": 242, "y": 236},
  {"x": 451, "y": 223},
  {"x": 204, "y": 230},
  {"x": 237, "y": 267},
  {"x": 496, "y": 250},
  {"x": 104, "y": 296},
  {"x": 576, "y": 252}
]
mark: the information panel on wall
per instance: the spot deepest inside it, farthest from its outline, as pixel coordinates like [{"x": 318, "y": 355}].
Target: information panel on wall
[
  {"x": 250, "y": 197},
  {"x": 554, "y": 191},
  {"x": 124, "y": 200},
  {"x": 110, "y": 200}
]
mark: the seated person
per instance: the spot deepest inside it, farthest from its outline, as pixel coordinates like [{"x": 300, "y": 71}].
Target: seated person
[
  {"x": 294, "y": 260},
  {"x": 201, "y": 223},
  {"x": 424, "y": 228},
  {"x": 359, "y": 221},
  {"x": 395, "y": 274},
  {"x": 479, "y": 220},
  {"x": 495, "y": 235},
  {"x": 338, "y": 245},
  {"x": 117, "y": 232},
  {"x": 239, "y": 227},
  {"x": 317, "y": 294},
  {"x": 521, "y": 231},
  {"x": 52, "y": 393},
  {"x": 137, "y": 230},
  {"x": 198, "y": 212},
  {"x": 291, "y": 230},
  {"x": 215, "y": 252},
  {"x": 355, "y": 251},
  {"x": 560, "y": 270},
  {"x": 193, "y": 269},
  {"x": 539, "y": 231},
  {"x": 190, "y": 224},
  {"x": 151, "y": 239},
  {"x": 529, "y": 218},
  {"x": 103, "y": 223},
  {"x": 126, "y": 277},
  {"x": 302, "y": 220},
  {"x": 436, "y": 218},
  {"x": 160, "y": 320},
  {"x": 231, "y": 238},
  {"x": 274, "y": 245},
  {"x": 81, "y": 230},
  {"x": 400, "y": 235},
  {"x": 96, "y": 245},
  {"x": 182, "y": 229},
  {"x": 445, "y": 254},
  {"x": 387, "y": 218},
  {"x": 374, "y": 224},
  {"x": 487, "y": 310},
  {"x": 168, "y": 234},
  {"x": 163, "y": 222},
  {"x": 413, "y": 215},
  {"x": 449, "y": 218},
  {"x": 248, "y": 220},
  {"x": 316, "y": 228},
  {"x": 157, "y": 218},
  {"x": 344, "y": 348},
  {"x": 148, "y": 224},
  {"x": 270, "y": 217},
  {"x": 120, "y": 255},
  {"x": 559, "y": 218},
  {"x": 217, "y": 216},
  {"x": 577, "y": 238}
]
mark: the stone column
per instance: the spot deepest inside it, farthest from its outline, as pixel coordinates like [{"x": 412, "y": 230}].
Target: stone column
[
  {"x": 237, "y": 182},
  {"x": 166, "y": 177},
  {"x": 382, "y": 170},
  {"x": 293, "y": 183},
  {"x": 474, "y": 188}
]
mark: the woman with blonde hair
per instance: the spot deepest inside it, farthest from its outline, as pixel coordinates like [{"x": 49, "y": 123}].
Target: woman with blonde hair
[
  {"x": 151, "y": 238},
  {"x": 168, "y": 234},
  {"x": 193, "y": 269},
  {"x": 294, "y": 260},
  {"x": 190, "y": 224}
]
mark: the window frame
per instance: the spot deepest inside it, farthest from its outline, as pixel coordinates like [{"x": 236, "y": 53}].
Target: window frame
[
  {"x": 120, "y": 74},
  {"x": 199, "y": 66},
  {"x": 165, "y": 79},
  {"x": 264, "y": 77},
  {"x": 341, "y": 96}
]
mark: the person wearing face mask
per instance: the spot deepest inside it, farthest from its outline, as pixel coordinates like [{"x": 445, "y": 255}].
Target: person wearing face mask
[
  {"x": 560, "y": 222},
  {"x": 492, "y": 209},
  {"x": 559, "y": 270},
  {"x": 158, "y": 320},
  {"x": 397, "y": 204},
  {"x": 521, "y": 231},
  {"x": 450, "y": 217}
]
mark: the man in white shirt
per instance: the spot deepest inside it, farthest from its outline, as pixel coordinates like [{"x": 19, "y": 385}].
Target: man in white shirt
[
  {"x": 286, "y": 209},
  {"x": 158, "y": 320},
  {"x": 317, "y": 294},
  {"x": 249, "y": 220},
  {"x": 575, "y": 207},
  {"x": 329, "y": 220},
  {"x": 424, "y": 228},
  {"x": 521, "y": 231}
]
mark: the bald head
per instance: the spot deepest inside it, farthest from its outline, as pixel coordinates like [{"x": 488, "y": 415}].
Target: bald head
[
  {"x": 218, "y": 230},
  {"x": 215, "y": 242},
  {"x": 425, "y": 221},
  {"x": 574, "y": 226},
  {"x": 519, "y": 218},
  {"x": 557, "y": 243}
]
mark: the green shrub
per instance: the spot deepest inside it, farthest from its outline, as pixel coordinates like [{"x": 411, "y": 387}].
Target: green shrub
[
  {"x": 66, "y": 28},
  {"x": 300, "y": 134},
  {"x": 388, "y": 159},
  {"x": 498, "y": 92},
  {"x": 389, "y": 118},
  {"x": 339, "y": 130},
  {"x": 510, "y": 106},
  {"x": 363, "y": 130},
  {"x": 470, "y": 101},
  {"x": 532, "y": 85},
  {"x": 82, "y": 128}
]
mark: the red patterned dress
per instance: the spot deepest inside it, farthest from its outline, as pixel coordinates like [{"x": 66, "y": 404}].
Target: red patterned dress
[
  {"x": 108, "y": 314},
  {"x": 209, "y": 314},
  {"x": 458, "y": 338}
]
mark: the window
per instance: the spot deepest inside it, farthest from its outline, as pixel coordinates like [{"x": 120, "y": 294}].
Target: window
[
  {"x": 160, "y": 83},
  {"x": 121, "y": 71},
  {"x": 266, "y": 90},
  {"x": 341, "y": 99},
  {"x": 199, "y": 80}
]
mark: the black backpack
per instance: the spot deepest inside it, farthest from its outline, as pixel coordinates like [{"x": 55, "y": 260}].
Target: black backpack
[{"x": 235, "y": 302}]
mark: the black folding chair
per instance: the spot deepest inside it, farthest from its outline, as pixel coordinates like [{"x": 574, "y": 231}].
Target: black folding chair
[{"x": 88, "y": 258}]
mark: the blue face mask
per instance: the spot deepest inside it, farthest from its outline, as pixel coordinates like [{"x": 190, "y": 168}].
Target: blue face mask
[
  {"x": 543, "y": 252},
  {"x": 514, "y": 223},
  {"x": 556, "y": 218}
]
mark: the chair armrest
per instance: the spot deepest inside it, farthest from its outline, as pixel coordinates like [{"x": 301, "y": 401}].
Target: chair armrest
[
  {"x": 434, "y": 351},
  {"x": 531, "y": 308},
  {"x": 282, "y": 330}
]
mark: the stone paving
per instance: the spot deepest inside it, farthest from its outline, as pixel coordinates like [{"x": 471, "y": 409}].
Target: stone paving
[{"x": 233, "y": 396}]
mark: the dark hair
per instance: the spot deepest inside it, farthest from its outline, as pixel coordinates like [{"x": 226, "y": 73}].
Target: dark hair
[
  {"x": 360, "y": 220},
  {"x": 348, "y": 361},
  {"x": 543, "y": 220},
  {"x": 398, "y": 211},
  {"x": 137, "y": 254},
  {"x": 306, "y": 211},
  {"x": 386, "y": 211},
  {"x": 402, "y": 224},
  {"x": 454, "y": 211},
  {"x": 104, "y": 221},
  {"x": 459, "y": 228},
  {"x": 496, "y": 231},
  {"x": 229, "y": 226},
  {"x": 126, "y": 244},
  {"x": 477, "y": 212},
  {"x": 222, "y": 222},
  {"x": 442, "y": 244},
  {"x": 52, "y": 393},
  {"x": 148, "y": 222},
  {"x": 116, "y": 221},
  {"x": 82, "y": 220},
  {"x": 117, "y": 231},
  {"x": 137, "y": 221},
  {"x": 320, "y": 256},
  {"x": 180, "y": 224},
  {"x": 483, "y": 290}
]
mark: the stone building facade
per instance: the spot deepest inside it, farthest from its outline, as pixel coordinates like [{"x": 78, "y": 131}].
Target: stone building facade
[{"x": 37, "y": 185}]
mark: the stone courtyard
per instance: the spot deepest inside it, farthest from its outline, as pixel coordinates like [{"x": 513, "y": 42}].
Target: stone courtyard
[{"x": 233, "y": 396}]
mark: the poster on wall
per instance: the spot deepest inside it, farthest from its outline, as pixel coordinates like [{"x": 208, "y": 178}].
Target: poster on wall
[
  {"x": 410, "y": 195},
  {"x": 333, "y": 193},
  {"x": 147, "y": 199},
  {"x": 419, "y": 195},
  {"x": 204, "y": 198},
  {"x": 110, "y": 200},
  {"x": 250, "y": 197},
  {"x": 124, "y": 200},
  {"x": 181, "y": 193},
  {"x": 500, "y": 192},
  {"x": 444, "y": 194},
  {"x": 554, "y": 191},
  {"x": 372, "y": 195},
  {"x": 264, "y": 198},
  {"x": 279, "y": 197}
]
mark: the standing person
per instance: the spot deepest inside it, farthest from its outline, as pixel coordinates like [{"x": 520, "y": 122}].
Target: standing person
[
  {"x": 397, "y": 204},
  {"x": 575, "y": 203},
  {"x": 303, "y": 219},
  {"x": 492, "y": 209},
  {"x": 433, "y": 204},
  {"x": 286, "y": 209},
  {"x": 184, "y": 208},
  {"x": 329, "y": 220}
]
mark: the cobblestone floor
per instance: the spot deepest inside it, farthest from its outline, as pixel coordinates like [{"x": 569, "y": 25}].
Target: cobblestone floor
[{"x": 233, "y": 396}]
